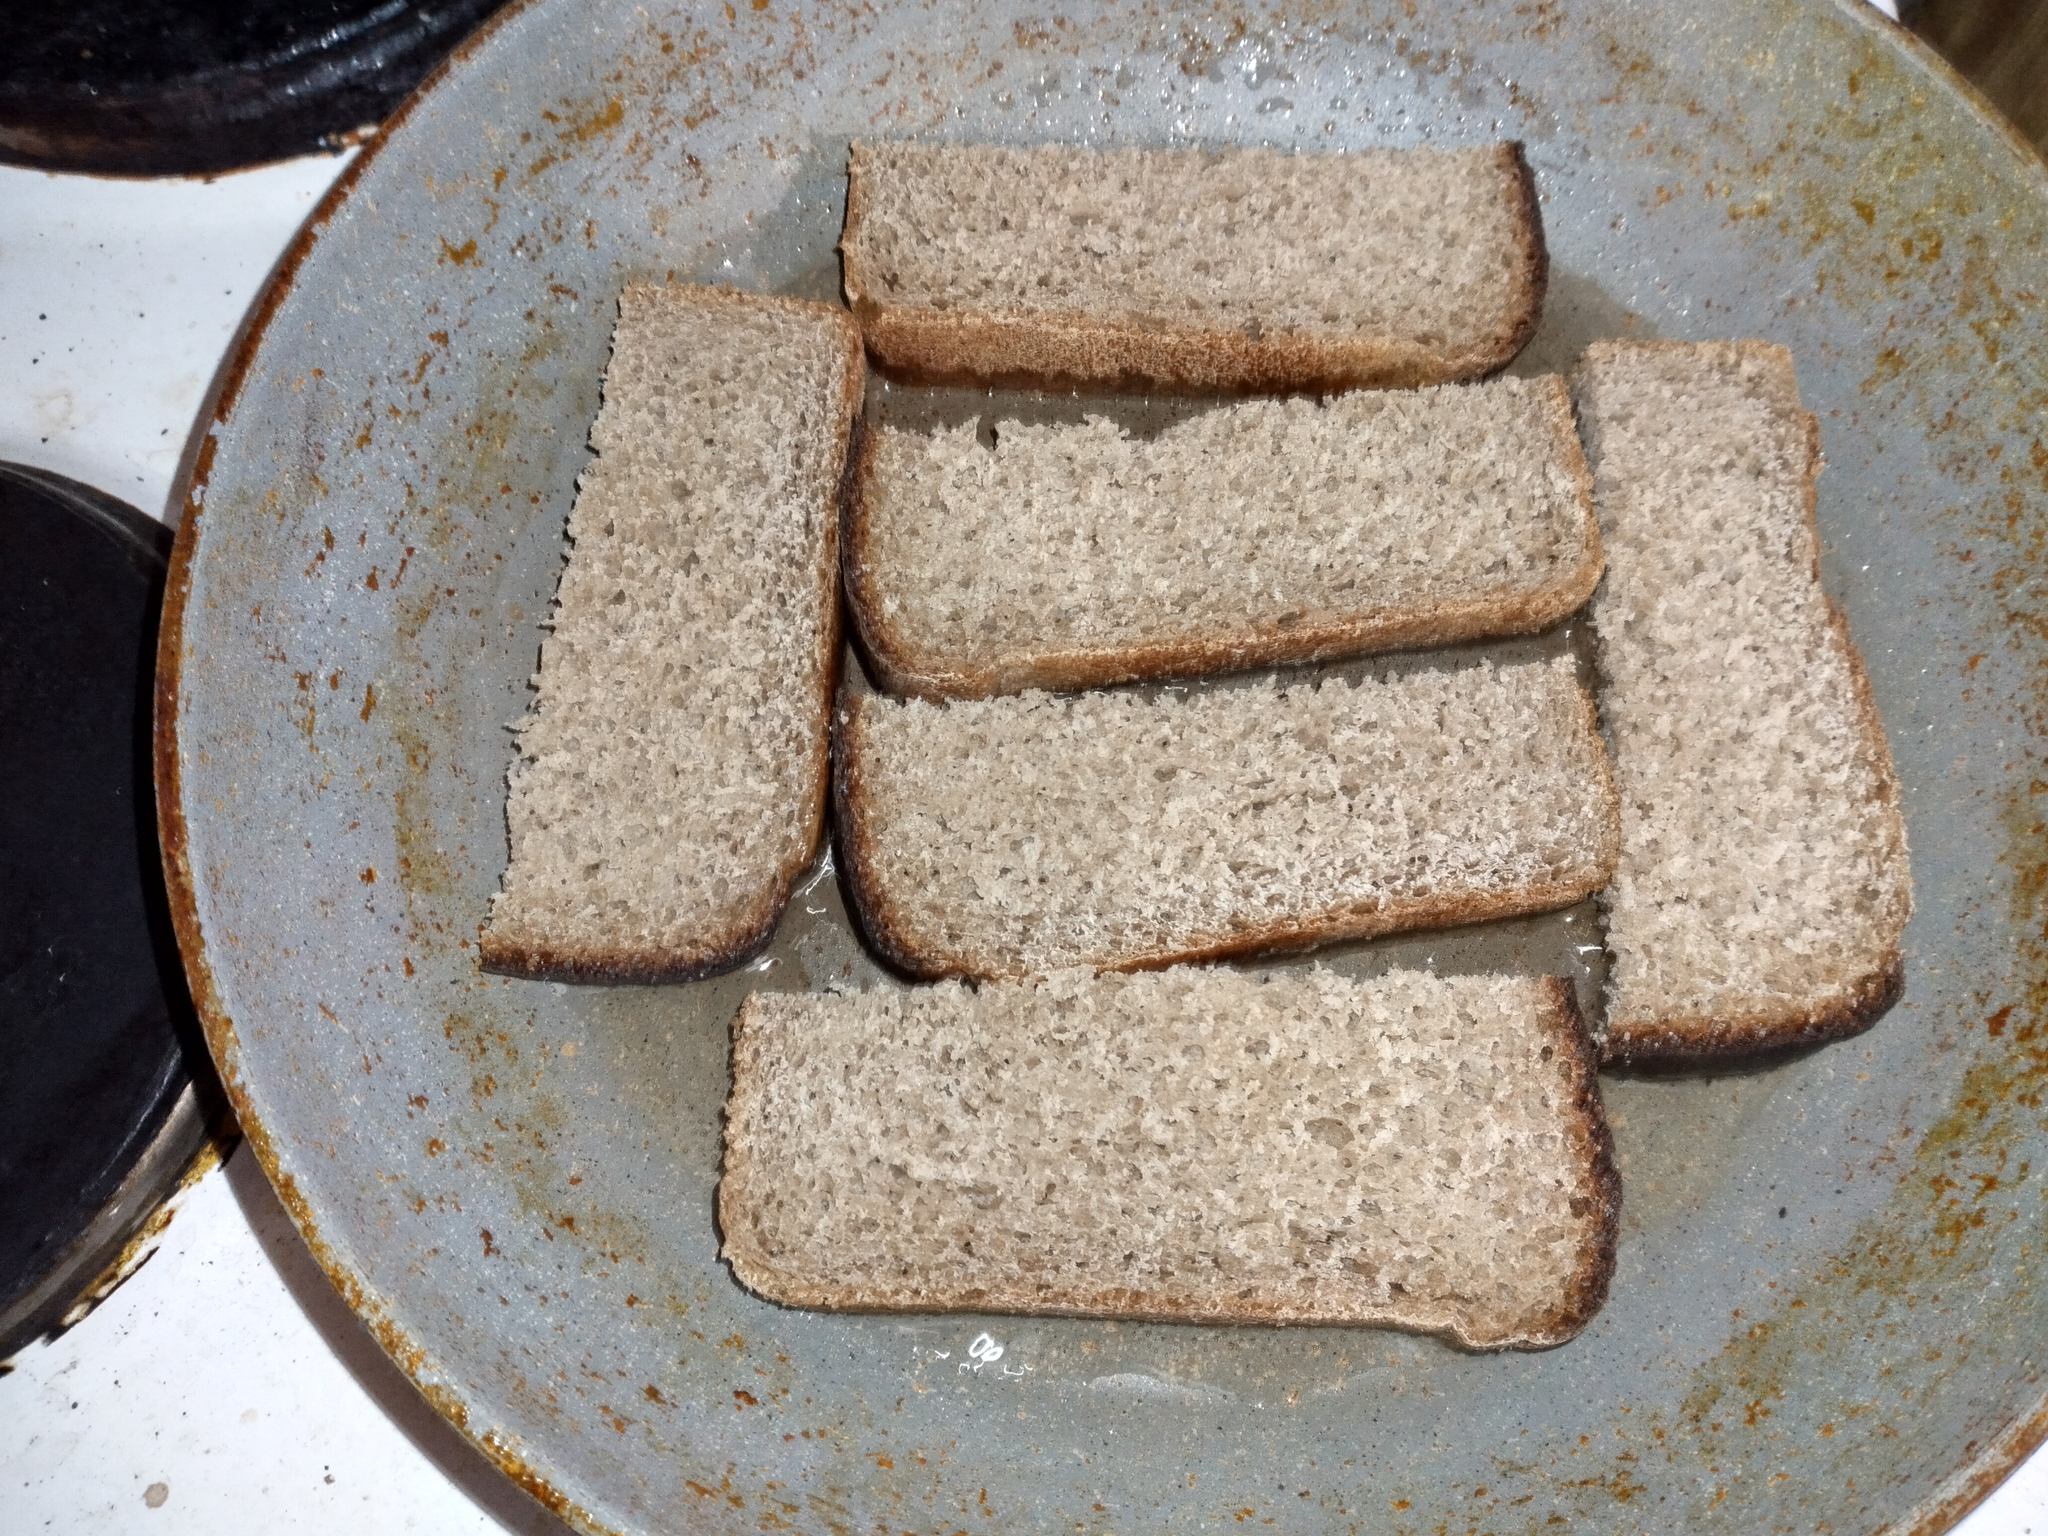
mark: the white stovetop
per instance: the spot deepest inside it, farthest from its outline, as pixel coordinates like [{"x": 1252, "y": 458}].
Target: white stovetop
[{"x": 225, "y": 1389}]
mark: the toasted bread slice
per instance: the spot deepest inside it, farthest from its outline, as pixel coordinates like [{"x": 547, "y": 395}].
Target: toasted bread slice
[
  {"x": 1764, "y": 880},
  {"x": 1192, "y": 269},
  {"x": 1263, "y": 531},
  {"x": 670, "y": 779},
  {"x": 1016, "y": 836},
  {"x": 1414, "y": 1151}
]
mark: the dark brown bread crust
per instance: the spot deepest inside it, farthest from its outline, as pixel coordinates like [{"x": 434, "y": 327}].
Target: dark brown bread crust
[
  {"x": 1011, "y": 348},
  {"x": 901, "y": 665},
  {"x": 748, "y": 932},
  {"x": 894, "y": 938},
  {"x": 1713, "y": 1037},
  {"x": 1843, "y": 1011},
  {"x": 1595, "y": 1143},
  {"x": 1532, "y": 254},
  {"x": 596, "y": 965},
  {"x": 1470, "y": 1328}
]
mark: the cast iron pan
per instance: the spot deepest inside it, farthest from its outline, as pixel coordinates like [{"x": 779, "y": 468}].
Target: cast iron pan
[{"x": 98, "y": 1115}]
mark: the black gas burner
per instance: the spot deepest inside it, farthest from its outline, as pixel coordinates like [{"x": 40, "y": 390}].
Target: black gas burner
[
  {"x": 106, "y": 1093},
  {"x": 167, "y": 87}
]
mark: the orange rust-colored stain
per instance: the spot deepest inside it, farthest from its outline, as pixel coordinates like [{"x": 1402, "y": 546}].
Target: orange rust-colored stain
[
  {"x": 607, "y": 117},
  {"x": 1971, "y": 664},
  {"x": 461, "y": 254},
  {"x": 436, "y": 1146},
  {"x": 889, "y": 1466},
  {"x": 1400, "y": 1503},
  {"x": 490, "y": 1247},
  {"x": 407, "y": 963},
  {"x": 699, "y": 1489},
  {"x": 742, "y": 1398},
  {"x": 370, "y": 703},
  {"x": 1996, "y": 1022},
  {"x": 653, "y": 1394},
  {"x": 370, "y": 580},
  {"x": 369, "y": 875},
  {"x": 632, "y": 1300},
  {"x": 417, "y": 1100},
  {"x": 1889, "y": 365}
]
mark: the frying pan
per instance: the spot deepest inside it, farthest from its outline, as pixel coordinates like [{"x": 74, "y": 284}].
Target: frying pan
[{"x": 1824, "y": 1315}]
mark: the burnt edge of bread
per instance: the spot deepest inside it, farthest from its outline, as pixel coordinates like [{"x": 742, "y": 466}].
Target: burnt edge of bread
[
  {"x": 1711, "y": 1037},
  {"x": 869, "y": 910},
  {"x": 1588, "y": 1290},
  {"x": 745, "y": 937},
  {"x": 1535, "y": 256},
  {"x": 623, "y": 965},
  {"x": 1585, "y": 1293},
  {"x": 903, "y": 667},
  {"x": 1081, "y": 350},
  {"x": 895, "y": 941}
]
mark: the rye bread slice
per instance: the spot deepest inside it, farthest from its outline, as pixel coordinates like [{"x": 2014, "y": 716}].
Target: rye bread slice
[
  {"x": 1262, "y": 531},
  {"x": 1764, "y": 880},
  {"x": 1020, "y": 835},
  {"x": 1192, "y": 269},
  {"x": 1418, "y": 1152},
  {"x": 670, "y": 778}
]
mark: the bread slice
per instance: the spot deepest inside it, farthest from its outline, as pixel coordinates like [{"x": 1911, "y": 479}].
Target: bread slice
[
  {"x": 1191, "y": 269},
  {"x": 1017, "y": 836},
  {"x": 1763, "y": 881},
  {"x": 1072, "y": 555},
  {"x": 1415, "y": 1151},
  {"x": 670, "y": 780}
]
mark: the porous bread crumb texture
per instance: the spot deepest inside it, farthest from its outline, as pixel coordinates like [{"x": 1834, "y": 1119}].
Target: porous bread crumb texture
[
  {"x": 1020, "y": 835},
  {"x": 671, "y": 774},
  {"x": 1071, "y": 555},
  {"x": 1196, "y": 268},
  {"x": 1414, "y": 1151},
  {"x": 1763, "y": 882}
]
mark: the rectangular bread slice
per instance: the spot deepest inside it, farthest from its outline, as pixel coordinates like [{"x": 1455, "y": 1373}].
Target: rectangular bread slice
[
  {"x": 1016, "y": 836},
  {"x": 1763, "y": 881},
  {"x": 670, "y": 779},
  {"x": 1263, "y": 531},
  {"x": 1198, "y": 1145},
  {"x": 1191, "y": 269}
]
